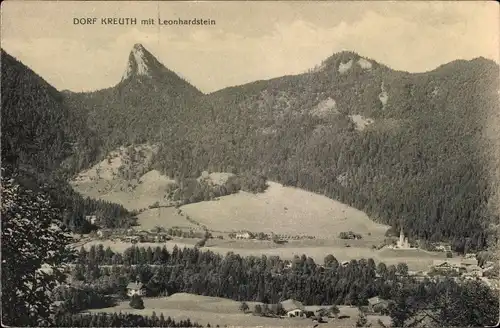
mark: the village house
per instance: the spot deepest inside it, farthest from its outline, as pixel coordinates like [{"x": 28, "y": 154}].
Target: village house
[
  {"x": 243, "y": 235},
  {"x": 377, "y": 305},
  {"x": 445, "y": 266},
  {"x": 131, "y": 239},
  {"x": 443, "y": 248},
  {"x": 136, "y": 288},
  {"x": 293, "y": 308},
  {"x": 92, "y": 219},
  {"x": 161, "y": 237}
]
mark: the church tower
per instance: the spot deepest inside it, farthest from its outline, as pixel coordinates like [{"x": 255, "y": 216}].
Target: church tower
[{"x": 401, "y": 238}]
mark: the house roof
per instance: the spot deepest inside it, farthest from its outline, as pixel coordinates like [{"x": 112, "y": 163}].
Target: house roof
[
  {"x": 135, "y": 285},
  {"x": 290, "y": 305},
  {"x": 440, "y": 263},
  {"x": 376, "y": 300}
]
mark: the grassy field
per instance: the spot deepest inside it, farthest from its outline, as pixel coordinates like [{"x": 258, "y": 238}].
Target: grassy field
[
  {"x": 123, "y": 178},
  {"x": 163, "y": 217},
  {"x": 133, "y": 195},
  {"x": 220, "y": 311},
  {"x": 283, "y": 210}
]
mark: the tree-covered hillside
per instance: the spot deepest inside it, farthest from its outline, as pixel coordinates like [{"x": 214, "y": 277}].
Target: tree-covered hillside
[
  {"x": 420, "y": 163},
  {"x": 147, "y": 105},
  {"x": 405, "y": 148},
  {"x": 43, "y": 142}
]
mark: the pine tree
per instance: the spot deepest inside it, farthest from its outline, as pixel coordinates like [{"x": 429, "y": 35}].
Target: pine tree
[{"x": 32, "y": 235}]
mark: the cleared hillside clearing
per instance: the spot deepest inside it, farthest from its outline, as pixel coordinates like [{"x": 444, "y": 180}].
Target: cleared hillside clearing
[
  {"x": 284, "y": 210},
  {"x": 221, "y": 311},
  {"x": 137, "y": 194}
]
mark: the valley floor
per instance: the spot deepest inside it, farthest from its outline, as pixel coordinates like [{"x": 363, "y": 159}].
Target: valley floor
[
  {"x": 417, "y": 260},
  {"x": 220, "y": 311}
]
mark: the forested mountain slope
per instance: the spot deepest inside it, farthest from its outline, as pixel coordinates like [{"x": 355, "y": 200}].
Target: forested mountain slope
[
  {"x": 43, "y": 142},
  {"x": 405, "y": 148},
  {"x": 150, "y": 103}
]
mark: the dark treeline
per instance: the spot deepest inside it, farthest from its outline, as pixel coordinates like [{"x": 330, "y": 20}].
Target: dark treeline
[
  {"x": 263, "y": 279},
  {"x": 119, "y": 320},
  {"x": 446, "y": 303},
  {"x": 44, "y": 142},
  {"x": 75, "y": 300}
]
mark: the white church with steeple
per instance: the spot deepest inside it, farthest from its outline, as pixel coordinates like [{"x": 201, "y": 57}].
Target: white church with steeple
[{"x": 403, "y": 241}]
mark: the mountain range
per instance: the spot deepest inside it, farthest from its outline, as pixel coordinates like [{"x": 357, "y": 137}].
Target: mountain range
[{"x": 405, "y": 148}]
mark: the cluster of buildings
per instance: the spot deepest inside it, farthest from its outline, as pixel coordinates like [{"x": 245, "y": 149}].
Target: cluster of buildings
[
  {"x": 295, "y": 309},
  {"x": 264, "y": 236},
  {"x": 466, "y": 267},
  {"x": 132, "y": 236},
  {"x": 92, "y": 219}
]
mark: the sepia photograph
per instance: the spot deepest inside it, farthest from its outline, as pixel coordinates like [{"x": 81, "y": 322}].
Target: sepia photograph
[{"x": 299, "y": 164}]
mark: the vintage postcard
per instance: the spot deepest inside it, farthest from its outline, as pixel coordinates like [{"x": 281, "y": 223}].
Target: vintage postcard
[{"x": 250, "y": 163}]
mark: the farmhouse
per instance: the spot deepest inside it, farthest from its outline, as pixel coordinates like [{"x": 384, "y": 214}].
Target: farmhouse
[
  {"x": 377, "y": 305},
  {"x": 135, "y": 288},
  {"x": 131, "y": 239},
  {"x": 293, "y": 308},
  {"x": 243, "y": 235},
  {"x": 443, "y": 247},
  {"x": 92, "y": 219},
  {"x": 161, "y": 237},
  {"x": 445, "y": 266}
]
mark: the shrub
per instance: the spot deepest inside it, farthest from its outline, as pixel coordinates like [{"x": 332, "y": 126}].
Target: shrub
[
  {"x": 136, "y": 302},
  {"x": 244, "y": 307}
]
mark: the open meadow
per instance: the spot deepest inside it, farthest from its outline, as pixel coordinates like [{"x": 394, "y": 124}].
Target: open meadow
[
  {"x": 165, "y": 217},
  {"x": 123, "y": 179},
  {"x": 283, "y": 210},
  {"x": 221, "y": 311}
]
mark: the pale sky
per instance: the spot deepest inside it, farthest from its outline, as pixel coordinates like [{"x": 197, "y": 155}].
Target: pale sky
[{"x": 250, "y": 41}]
